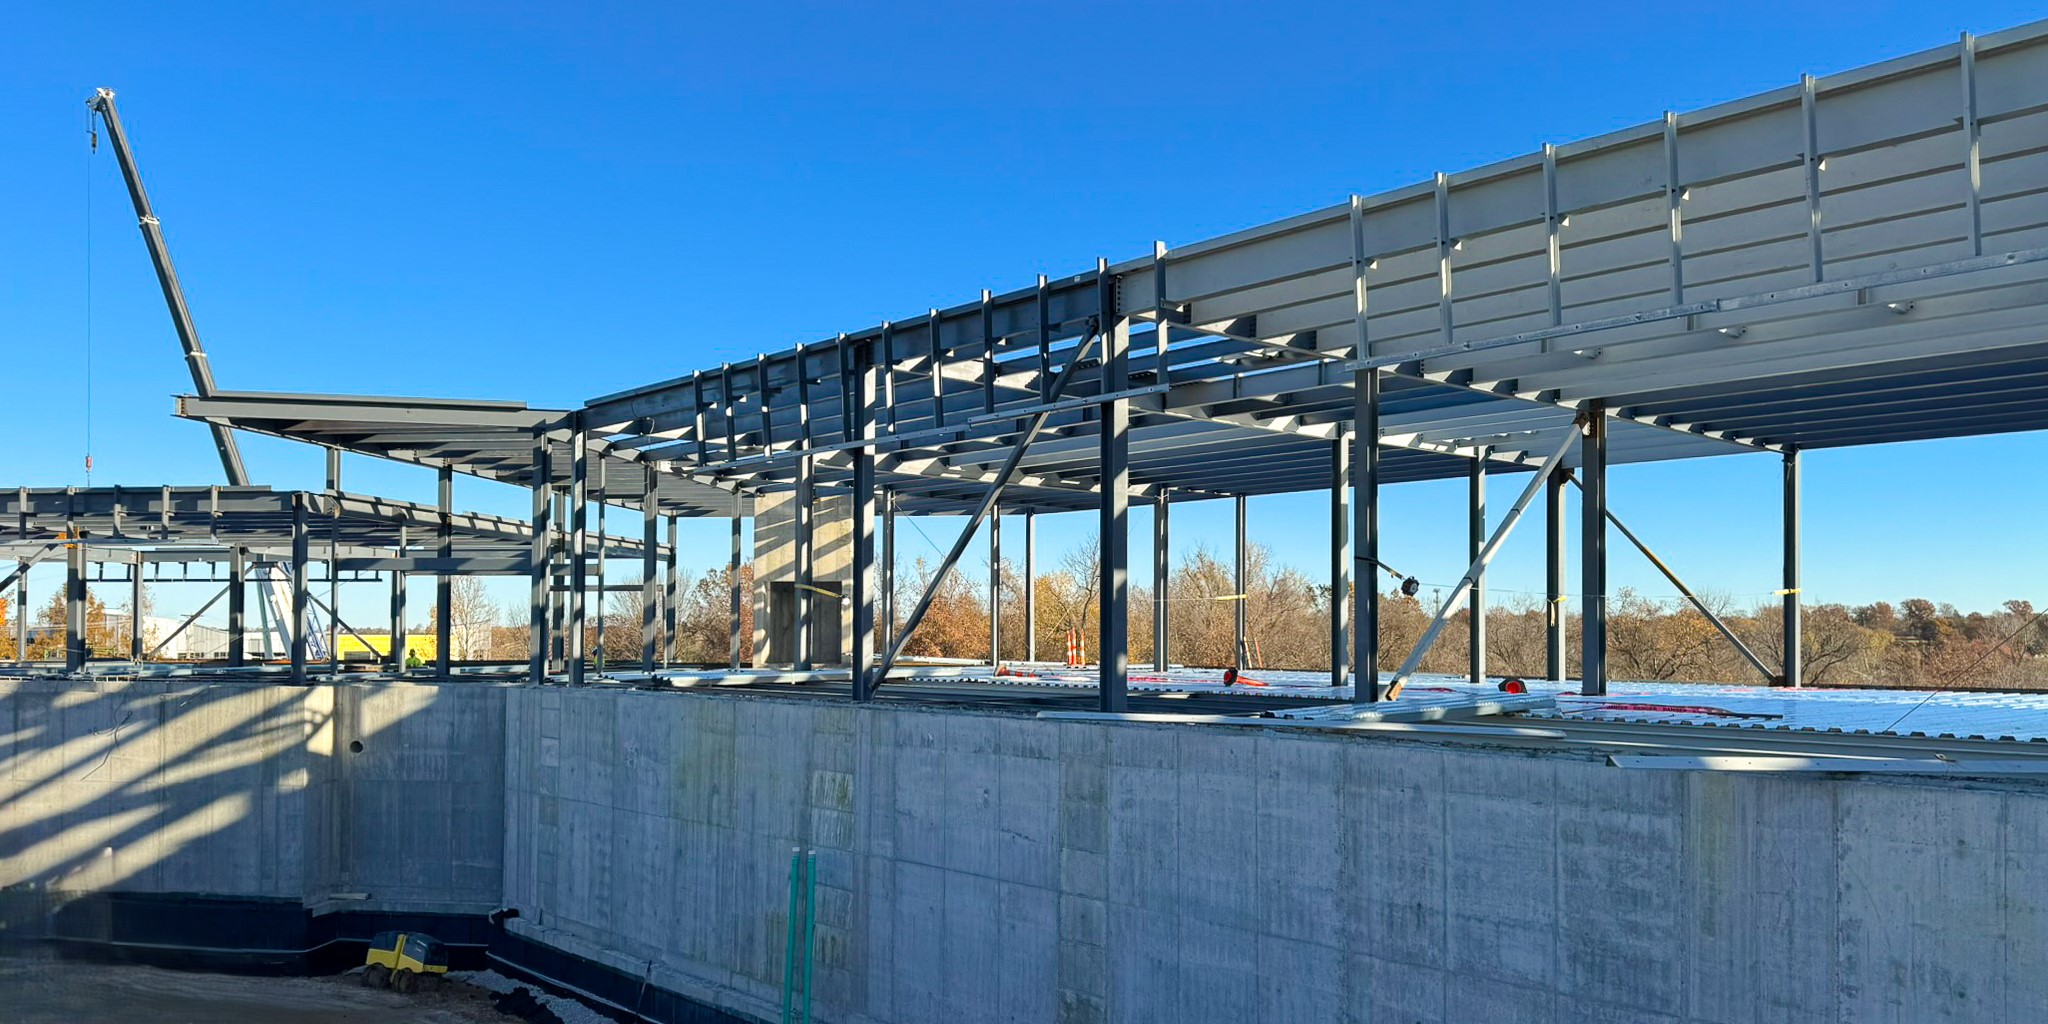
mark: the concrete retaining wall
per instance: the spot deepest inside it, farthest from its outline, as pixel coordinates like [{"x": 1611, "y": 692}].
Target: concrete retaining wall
[
  {"x": 979, "y": 867},
  {"x": 254, "y": 791},
  {"x": 988, "y": 868}
]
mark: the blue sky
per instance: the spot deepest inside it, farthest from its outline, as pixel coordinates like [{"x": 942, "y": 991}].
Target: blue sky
[{"x": 551, "y": 202}]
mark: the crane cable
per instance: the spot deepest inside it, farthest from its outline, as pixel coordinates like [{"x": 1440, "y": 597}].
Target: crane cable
[{"x": 93, "y": 134}]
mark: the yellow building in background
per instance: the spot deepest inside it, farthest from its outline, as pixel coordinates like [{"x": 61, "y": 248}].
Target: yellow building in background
[{"x": 377, "y": 646}]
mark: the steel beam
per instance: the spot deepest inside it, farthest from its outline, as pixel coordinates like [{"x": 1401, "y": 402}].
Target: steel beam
[
  {"x": 1477, "y": 570},
  {"x": 1031, "y": 586},
  {"x": 1241, "y": 581},
  {"x": 650, "y": 568},
  {"x": 865, "y": 499},
  {"x": 75, "y": 650},
  {"x": 21, "y": 612},
  {"x": 135, "y": 611},
  {"x": 540, "y": 580},
  {"x": 671, "y": 592},
  {"x": 396, "y": 658},
  {"x": 1698, "y": 605},
  {"x": 238, "y": 600},
  {"x": 1365, "y": 534},
  {"x": 1593, "y": 553},
  {"x": 1794, "y": 655},
  {"x": 995, "y": 490},
  {"x": 1162, "y": 574},
  {"x": 1475, "y": 478},
  {"x": 1340, "y": 560},
  {"x": 300, "y": 599},
  {"x": 1554, "y": 606},
  {"x": 995, "y": 586},
  {"x": 888, "y": 565},
  {"x": 183, "y": 625},
  {"x": 579, "y": 550},
  {"x": 803, "y": 551},
  {"x": 444, "y": 585},
  {"x": 736, "y": 592},
  {"x": 1113, "y": 639}
]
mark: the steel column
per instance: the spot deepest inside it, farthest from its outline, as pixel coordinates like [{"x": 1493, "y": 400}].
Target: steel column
[
  {"x": 800, "y": 523},
  {"x": 737, "y": 592},
  {"x": 398, "y": 625},
  {"x": 995, "y": 585},
  {"x": 1340, "y": 560},
  {"x": 238, "y": 597},
  {"x": 888, "y": 566},
  {"x": 444, "y": 585},
  {"x": 650, "y": 568},
  {"x": 1794, "y": 656},
  {"x": 299, "y": 595},
  {"x": 863, "y": 515},
  {"x": 1113, "y": 641},
  {"x": 75, "y": 650},
  {"x": 21, "y": 613},
  {"x": 579, "y": 550},
  {"x": 540, "y": 578},
  {"x": 672, "y": 588},
  {"x": 1162, "y": 574},
  {"x": 1554, "y": 609},
  {"x": 1593, "y": 553},
  {"x": 598, "y": 654},
  {"x": 1241, "y": 581},
  {"x": 558, "y": 569},
  {"x": 1476, "y": 541},
  {"x": 135, "y": 611},
  {"x": 1030, "y": 586},
  {"x": 1365, "y": 534}
]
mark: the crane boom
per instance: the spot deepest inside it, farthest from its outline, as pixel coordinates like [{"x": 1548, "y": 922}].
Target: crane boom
[
  {"x": 102, "y": 103},
  {"x": 276, "y": 584}
]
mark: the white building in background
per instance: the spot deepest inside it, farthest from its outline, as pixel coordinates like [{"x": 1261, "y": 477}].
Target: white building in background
[{"x": 198, "y": 641}]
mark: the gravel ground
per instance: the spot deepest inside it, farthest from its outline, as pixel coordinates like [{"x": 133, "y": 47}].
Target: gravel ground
[{"x": 69, "y": 992}]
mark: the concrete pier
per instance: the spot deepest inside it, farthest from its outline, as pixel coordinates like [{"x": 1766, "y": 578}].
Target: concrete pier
[{"x": 991, "y": 867}]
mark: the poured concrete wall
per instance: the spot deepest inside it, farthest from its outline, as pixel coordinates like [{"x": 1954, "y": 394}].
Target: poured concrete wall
[
  {"x": 253, "y": 790},
  {"x": 985, "y": 868},
  {"x": 979, "y": 867}
]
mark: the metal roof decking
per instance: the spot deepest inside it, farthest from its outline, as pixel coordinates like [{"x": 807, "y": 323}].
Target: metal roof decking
[{"x": 1856, "y": 259}]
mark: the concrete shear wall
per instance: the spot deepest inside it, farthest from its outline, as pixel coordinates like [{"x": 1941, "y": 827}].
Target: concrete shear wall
[
  {"x": 979, "y": 867},
  {"x": 990, "y": 868},
  {"x": 251, "y": 790}
]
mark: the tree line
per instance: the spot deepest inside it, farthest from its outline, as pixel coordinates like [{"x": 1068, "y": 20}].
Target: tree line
[{"x": 1913, "y": 643}]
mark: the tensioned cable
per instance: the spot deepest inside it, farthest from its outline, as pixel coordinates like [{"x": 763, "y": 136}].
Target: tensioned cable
[{"x": 92, "y": 132}]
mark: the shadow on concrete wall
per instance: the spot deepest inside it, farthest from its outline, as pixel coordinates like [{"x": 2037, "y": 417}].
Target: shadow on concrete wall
[{"x": 217, "y": 790}]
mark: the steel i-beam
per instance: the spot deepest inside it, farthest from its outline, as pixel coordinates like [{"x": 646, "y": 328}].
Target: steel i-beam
[
  {"x": 1340, "y": 560},
  {"x": 1794, "y": 655},
  {"x": 1476, "y": 533},
  {"x": 1162, "y": 571},
  {"x": 1554, "y": 609},
  {"x": 1593, "y": 553}
]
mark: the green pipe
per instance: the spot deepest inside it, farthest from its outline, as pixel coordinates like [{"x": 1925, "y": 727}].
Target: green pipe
[
  {"x": 810, "y": 928},
  {"x": 789, "y": 938}
]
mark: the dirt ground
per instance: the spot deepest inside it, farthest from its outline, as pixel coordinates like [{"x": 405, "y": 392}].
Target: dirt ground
[{"x": 68, "y": 992}]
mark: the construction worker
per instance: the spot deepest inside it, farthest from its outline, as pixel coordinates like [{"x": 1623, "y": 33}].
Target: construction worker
[{"x": 412, "y": 659}]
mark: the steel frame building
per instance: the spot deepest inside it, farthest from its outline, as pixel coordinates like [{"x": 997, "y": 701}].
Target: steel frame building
[
  {"x": 1855, "y": 259},
  {"x": 231, "y": 533}
]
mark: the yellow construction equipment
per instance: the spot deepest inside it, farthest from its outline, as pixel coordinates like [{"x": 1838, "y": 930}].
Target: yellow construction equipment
[{"x": 404, "y": 960}]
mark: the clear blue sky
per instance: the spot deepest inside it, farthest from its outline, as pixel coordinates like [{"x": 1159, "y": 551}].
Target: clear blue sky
[{"x": 550, "y": 202}]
